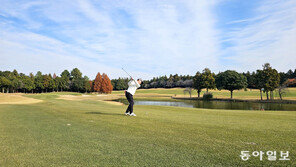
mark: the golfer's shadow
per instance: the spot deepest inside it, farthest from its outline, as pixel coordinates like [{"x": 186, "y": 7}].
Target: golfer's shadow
[{"x": 101, "y": 113}]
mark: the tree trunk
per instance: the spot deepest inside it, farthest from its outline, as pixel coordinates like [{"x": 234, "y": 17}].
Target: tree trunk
[
  {"x": 271, "y": 95},
  {"x": 280, "y": 93},
  {"x": 261, "y": 94},
  {"x": 2, "y": 90},
  {"x": 267, "y": 98},
  {"x": 231, "y": 94},
  {"x": 198, "y": 93},
  {"x": 207, "y": 90}
]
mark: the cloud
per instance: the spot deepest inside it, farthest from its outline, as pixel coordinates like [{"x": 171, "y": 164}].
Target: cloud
[
  {"x": 268, "y": 37},
  {"x": 150, "y": 37}
]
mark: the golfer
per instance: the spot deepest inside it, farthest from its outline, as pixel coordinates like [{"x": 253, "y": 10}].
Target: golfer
[{"x": 129, "y": 93}]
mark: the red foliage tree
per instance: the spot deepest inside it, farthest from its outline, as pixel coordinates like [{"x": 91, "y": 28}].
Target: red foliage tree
[
  {"x": 98, "y": 83},
  {"x": 106, "y": 84}
]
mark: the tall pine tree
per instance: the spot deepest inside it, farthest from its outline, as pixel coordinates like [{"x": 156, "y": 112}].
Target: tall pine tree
[
  {"x": 106, "y": 84},
  {"x": 98, "y": 83}
]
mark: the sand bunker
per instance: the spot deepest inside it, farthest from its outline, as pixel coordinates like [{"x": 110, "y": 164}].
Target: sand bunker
[{"x": 16, "y": 99}]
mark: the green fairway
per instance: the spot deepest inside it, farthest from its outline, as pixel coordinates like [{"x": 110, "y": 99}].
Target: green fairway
[{"x": 58, "y": 132}]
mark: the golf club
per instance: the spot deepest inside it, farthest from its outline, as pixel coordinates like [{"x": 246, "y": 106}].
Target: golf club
[{"x": 128, "y": 74}]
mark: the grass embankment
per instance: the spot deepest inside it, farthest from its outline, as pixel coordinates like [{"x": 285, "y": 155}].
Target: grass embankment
[
  {"x": 15, "y": 98},
  {"x": 59, "y": 132}
]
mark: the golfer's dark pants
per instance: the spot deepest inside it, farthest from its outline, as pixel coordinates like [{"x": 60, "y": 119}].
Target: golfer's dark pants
[{"x": 130, "y": 99}]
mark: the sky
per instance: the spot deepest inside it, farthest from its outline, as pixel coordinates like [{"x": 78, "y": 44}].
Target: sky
[{"x": 147, "y": 38}]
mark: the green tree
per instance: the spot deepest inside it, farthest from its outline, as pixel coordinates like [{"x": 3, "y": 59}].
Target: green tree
[
  {"x": 121, "y": 84},
  {"x": 4, "y": 84},
  {"x": 32, "y": 82},
  {"x": 77, "y": 82},
  {"x": 58, "y": 83},
  {"x": 28, "y": 84},
  {"x": 52, "y": 84},
  {"x": 39, "y": 82},
  {"x": 251, "y": 79},
  {"x": 208, "y": 79},
  {"x": 15, "y": 73},
  {"x": 204, "y": 80},
  {"x": 271, "y": 78},
  {"x": 198, "y": 83},
  {"x": 76, "y": 74},
  {"x": 170, "y": 82},
  {"x": 231, "y": 80},
  {"x": 114, "y": 82},
  {"x": 46, "y": 82},
  {"x": 290, "y": 73},
  {"x": 65, "y": 80},
  {"x": 16, "y": 84},
  {"x": 65, "y": 74},
  {"x": 259, "y": 82},
  {"x": 176, "y": 78},
  {"x": 87, "y": 86},
  {"x": 283, "y": 77}
]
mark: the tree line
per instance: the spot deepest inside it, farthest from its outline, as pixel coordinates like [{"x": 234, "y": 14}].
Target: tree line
[
  {"x": 266, "y": 80},
  {"x": 157, "y": 82},
  {"x": 74, "y": 81}
]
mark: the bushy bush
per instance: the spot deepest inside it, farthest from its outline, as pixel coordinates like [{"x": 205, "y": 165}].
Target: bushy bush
[{"x": 207, "y": 96}]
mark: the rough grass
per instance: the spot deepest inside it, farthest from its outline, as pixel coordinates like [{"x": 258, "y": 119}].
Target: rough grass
[{"x": 93, "y": 133}]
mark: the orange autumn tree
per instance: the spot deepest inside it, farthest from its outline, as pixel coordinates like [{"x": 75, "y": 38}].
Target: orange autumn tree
[
  {"x": 98, "y": 83},
  {"x": 106, "y": 84}
]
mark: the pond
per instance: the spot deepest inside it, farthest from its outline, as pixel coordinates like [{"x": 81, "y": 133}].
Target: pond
[{"x": 219, "y": 105}]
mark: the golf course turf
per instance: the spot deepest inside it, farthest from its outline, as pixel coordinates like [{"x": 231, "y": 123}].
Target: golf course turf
[{"x": 57, "y": 132}]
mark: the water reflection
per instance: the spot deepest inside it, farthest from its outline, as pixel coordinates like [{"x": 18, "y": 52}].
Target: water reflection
[
  {"x": 164, "y": 103},
  {"x": 220, "y": 105}
]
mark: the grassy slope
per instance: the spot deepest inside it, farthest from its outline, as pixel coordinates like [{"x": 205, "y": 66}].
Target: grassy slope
[
  {"x": 240, "y": 94},
  {"x": 38, "y": 135}
]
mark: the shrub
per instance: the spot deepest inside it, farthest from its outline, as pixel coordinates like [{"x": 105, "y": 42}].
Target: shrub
[{"x": 207, "y": 96}]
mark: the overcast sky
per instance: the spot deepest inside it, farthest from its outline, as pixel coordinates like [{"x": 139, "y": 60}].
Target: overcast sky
[{"x": 146, "y": 37}]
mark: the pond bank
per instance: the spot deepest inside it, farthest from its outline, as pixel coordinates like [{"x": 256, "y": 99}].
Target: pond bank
[{"x": 238, "y": 100}]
